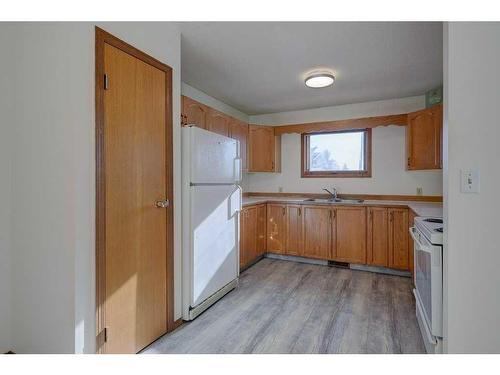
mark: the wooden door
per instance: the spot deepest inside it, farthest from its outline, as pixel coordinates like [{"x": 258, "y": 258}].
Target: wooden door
[
  {"x": 134, "y": 166},
  {"x": 248, "y": 243},
  {"x": 239, "y": 130},
  {"x": 398, "y": 238},
  {"x": 217, "y": 122},
  {"x": 424, "y": 139},
  {"x": 276, "y": 228},
  {"x": 261, "y": 148},
  {"x": 194, "y": 112},
  {"x": 350, "y": 234},
  {"x": 317, "y": 223},
  {"x": 378, "y": 240},
  {"x": 294, "y": 230},
  {"x": 261, "y": 229}
]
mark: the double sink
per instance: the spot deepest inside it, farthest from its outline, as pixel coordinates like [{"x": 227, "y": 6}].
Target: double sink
[{"x": 334, "y": 200}]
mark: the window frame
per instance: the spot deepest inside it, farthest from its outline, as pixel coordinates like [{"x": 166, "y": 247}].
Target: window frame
[{"x": 367, "y": 172}]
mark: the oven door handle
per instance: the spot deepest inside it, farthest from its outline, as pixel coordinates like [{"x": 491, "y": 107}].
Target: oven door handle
[{"x": 426, "y": 248}]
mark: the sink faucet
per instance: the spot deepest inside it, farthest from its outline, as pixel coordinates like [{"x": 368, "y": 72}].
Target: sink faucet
[{"x": 334, "y": 194}]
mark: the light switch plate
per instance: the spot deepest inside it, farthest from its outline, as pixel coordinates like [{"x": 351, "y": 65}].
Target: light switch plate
[{"x": 469, "y": 180}]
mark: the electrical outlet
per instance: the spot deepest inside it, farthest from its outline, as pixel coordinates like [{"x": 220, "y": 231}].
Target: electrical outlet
[
  {"x": 469, "y": 181},
  {"x": 420, "y": 191},
  {"x": 280, "y": 189}
]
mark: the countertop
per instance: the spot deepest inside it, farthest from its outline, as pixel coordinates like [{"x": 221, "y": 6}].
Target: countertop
[{"x": 420, "y": 208}]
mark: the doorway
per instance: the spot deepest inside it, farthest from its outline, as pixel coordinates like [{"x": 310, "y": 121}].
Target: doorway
[{"x": 134, "y": 191}]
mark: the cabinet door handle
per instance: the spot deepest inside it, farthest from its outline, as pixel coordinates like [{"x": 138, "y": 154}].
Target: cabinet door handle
[
  {"x": 300, "y": 211},
  {"x": 284, "y": 211}
]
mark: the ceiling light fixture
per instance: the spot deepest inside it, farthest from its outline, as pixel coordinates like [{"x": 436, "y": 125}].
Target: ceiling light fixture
[{"x": 319, "y": 80}]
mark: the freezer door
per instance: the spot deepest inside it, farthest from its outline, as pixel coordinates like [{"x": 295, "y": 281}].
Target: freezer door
[
  {"x": 215, "y": 239},
  {"x": 214, "y": 158}
]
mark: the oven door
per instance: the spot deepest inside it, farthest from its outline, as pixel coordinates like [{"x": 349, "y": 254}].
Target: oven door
[{"x": 429, "y": 281}]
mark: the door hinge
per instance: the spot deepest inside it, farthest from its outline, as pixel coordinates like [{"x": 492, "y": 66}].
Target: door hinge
[{"x": 106, "y": 82}]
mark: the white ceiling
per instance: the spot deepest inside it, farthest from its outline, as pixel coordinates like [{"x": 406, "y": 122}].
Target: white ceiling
[{"x": 259, "y": 67}]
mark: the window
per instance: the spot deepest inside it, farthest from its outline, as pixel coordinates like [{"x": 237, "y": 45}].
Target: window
[{"x": 337, "y": 154}]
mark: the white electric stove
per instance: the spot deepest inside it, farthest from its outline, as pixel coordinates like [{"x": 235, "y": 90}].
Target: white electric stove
[
  {"x": 428, "y": 247},
  {"x": 431, "y": 228}
]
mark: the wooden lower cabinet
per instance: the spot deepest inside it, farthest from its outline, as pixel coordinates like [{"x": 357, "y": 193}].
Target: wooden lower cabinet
[
  {"x": 388, "y": 241},
  {"x": 317, "y": 231},
  {"x": 294, "y": 230},
  {"x": 276, "y": 228},
  {"x": 261, "y": 229},
  {"x": 398, "y": 239},
  {"x": 349, "y": 234},
  {"x": 248, "y": 238},
  {"x": 252, "y": 234},
  {"x": 378, "y": 236}
]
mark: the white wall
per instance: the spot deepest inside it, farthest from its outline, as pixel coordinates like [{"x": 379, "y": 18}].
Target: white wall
[
  {"x": 206, "y": 99},
  {"x": 472, "y": 255},
  {"x": 53, "y": 178},
  {"x": 5, "y": 186},
  {"x": 388, "y": 154}
]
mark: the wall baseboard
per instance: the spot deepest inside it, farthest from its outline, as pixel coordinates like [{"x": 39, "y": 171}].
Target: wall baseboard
[{"x": 379, "y": 197}]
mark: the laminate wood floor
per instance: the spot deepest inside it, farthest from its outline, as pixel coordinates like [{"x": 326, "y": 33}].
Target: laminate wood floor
[{"x": 288, "y": 307}]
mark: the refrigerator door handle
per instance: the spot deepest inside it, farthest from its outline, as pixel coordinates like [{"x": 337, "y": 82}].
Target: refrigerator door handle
[
  {"x": 235, "y": 202},
  {"x": 237, "y": 169},
  {"x": 240, "y": 190}
]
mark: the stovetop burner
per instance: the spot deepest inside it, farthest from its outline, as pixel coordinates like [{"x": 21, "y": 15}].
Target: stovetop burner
[
  {"x": 433, "y": 220},
  {"x": 440, "y": 230}
]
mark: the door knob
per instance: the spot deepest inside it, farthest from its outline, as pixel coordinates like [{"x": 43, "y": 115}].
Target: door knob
[{"x": 162, "y": 204}]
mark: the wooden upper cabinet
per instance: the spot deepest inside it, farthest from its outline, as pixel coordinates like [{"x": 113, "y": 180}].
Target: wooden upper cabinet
[
  {"x": 239, "y": 130},
  {"x": 398, "y": 238},
  {"x": 424, "y": 139},
  {"x": 261, "y": 229},
  {"x": 276, "y": 228},
  {"x": 377, "y": 236},
  {"x": 294, "y": 231},
  {"x": 194, "y": 112},
  {"x": 317, "y": 231},
  {"x": 264, "y": 149},
  {"x": 218, "y": 122},
  {"x": 349, "y": 233}
]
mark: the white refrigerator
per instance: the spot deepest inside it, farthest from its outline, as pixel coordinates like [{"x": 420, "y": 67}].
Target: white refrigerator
[{"x": 211, "y": 205}]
